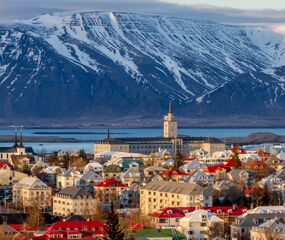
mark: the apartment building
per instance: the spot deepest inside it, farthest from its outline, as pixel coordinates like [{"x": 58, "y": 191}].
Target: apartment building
[
  {"x": 74, "y": 201},
  {"x": 160, "y": 194},
  {"x": 30, "y": 191}
]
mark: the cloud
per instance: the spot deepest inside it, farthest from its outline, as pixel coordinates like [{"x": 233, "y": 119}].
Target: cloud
[{"x": 19, "y": 9}]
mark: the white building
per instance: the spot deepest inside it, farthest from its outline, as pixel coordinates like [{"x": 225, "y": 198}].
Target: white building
[
  {"x": 30, "y": 191},
  {"x": 69, "y": 178},
  {"x": 272, "y": 229},
  {"x": 201, "y": 224}
]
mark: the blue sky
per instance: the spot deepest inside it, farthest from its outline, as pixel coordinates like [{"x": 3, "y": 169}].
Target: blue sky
[
  {"x": 226, "y": 11},
  {"x": 243, "y": 4}
]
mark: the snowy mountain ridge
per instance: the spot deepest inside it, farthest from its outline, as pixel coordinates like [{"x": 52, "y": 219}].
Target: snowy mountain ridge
[{"x": 137, "y": 59}]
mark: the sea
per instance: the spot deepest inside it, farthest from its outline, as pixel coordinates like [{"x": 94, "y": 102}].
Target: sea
[{"x": 88, "y": 136}]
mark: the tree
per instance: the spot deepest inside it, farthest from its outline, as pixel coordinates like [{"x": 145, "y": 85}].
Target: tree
[
  {"x": 178, "y": 160},
  {"x": 26, "y": 169},
  {"x": 113, "y": 228},
  {"x": 35, "y": 216},
  {"x": 82, "y": 154},
  {"x": 236, "y": 151}
]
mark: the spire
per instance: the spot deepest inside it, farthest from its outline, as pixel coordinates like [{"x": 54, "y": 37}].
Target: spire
[
  {"x": 108, "y": 133},
  {"x": 21, "y": 138},
  {"x": 170, "y": 107},
  {"x": 15, "y": 138}
]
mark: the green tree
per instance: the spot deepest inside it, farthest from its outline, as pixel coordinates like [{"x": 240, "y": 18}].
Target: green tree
[
  {"x": 83, "y": 155},
  {"x": 27, "y": 170},
  {"x": 113, "y": 227},
  {"x": 178, "y": 160}
]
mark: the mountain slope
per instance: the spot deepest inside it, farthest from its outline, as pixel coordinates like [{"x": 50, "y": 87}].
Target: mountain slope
[
  {"x": 113, "y": 64},
  {"x": 260, "y": 93}
]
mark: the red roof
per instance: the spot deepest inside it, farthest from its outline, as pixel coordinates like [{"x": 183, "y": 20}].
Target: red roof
[
  {"x": 174, "y": 171},
  {"x": 111, "y": 182},
  {"x": 179, "y": 212},
  {"x": 230, "y": 163},
  {"x": 3, "y": 164},
  {"x": 76, "y": 225},
  {"x": 136, "y": 226},
  {"x": 238, "y": 149},
  {"x": 22, "y": 227},
  {"x": 213, "y": 169}
]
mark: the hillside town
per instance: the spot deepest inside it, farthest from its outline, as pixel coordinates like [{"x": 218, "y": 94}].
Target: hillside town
[{"x": 161, "y": 188}]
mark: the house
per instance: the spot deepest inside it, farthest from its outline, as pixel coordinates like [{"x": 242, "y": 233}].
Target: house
[
  {"x": 170, "y": 216},
  {"x": 173, "y": 174},
  {"x": 218, "y": 171},
  {"x": 68, "y": 178},
  {"x": 160, "y": 194},
  {"x": 275, "y": 163},
  {"x": 201, "y": 224},
  {"x": 93, "y": 166},
  {"x": 259, "y": 168},
  {"x": 22, "y": 160},
  {"x": 49, "y": 175},
  {"x": 74, "y": 201},
  {"x": 132, "y": 175},
  {"x": 240, "y": 229},
  {"x": 271, "y": 229},
  {"x": 30, "y": 191},
  {"x": 130, "y": 197},
  {"x": 153, "y": 170},
  {"x": 239, "y": 176},
  {"x": 8, "y": 176},
  {"x": 109, "y": 190},
  {"x": 75, "y": 230},
  {"x": 128, "y": 163},
  {"x": 88, "y": 179},
  {"x": 201, "y": 178},
  {"x": 112, "y": 171},
  {"x": 192, "y": 167}
]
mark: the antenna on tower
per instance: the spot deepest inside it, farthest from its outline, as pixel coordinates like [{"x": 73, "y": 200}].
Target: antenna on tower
[{"x": 170, "y": 106}]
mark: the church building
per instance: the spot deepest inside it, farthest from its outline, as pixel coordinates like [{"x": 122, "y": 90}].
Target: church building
[
  {"x": 170, "y": 141},
  {"x": 18, "y": 149}
]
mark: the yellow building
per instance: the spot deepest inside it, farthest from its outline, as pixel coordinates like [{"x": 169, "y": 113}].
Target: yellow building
[
  {"x": 170, "y": 141},
  {"x": 30, "y": 191},
  {"x": 74, "y": 201},
  {"x": 160, "y": 194}
]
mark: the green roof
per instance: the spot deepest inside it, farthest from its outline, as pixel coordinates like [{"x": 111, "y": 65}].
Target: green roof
[
  {"x": 152, "y": 233},
  {"x": 112, "y": 169}
]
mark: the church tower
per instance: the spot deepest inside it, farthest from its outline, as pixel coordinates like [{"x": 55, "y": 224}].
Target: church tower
[{"x": 170, "y": 124}]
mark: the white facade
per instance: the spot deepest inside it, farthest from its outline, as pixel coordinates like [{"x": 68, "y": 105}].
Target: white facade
[{"x": 198, "y": 225}]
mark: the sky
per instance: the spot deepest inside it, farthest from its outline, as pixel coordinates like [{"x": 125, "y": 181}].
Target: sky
[{"x": 226, "y": 11}]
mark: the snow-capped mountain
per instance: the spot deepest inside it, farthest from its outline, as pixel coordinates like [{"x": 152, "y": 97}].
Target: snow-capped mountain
[
  {"x": 260, "y": 93},
  {"x": 102, "y": 63}
]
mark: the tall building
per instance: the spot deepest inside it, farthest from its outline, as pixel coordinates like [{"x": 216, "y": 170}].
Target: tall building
[
  {"x": 170, "y": 124},
  {"x": 170, "y": 141}
]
